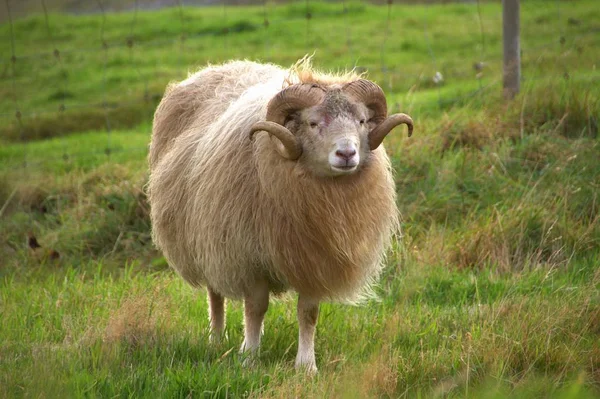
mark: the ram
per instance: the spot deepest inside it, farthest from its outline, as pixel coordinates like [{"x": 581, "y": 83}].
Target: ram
[{"x": 266, "y": 179}]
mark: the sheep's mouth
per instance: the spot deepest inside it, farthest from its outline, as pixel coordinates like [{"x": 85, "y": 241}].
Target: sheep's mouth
[{"x": 343, "y": 169}]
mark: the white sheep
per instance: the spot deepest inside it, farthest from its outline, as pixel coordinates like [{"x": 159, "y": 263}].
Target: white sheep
[{"x": 266, "y": 179}]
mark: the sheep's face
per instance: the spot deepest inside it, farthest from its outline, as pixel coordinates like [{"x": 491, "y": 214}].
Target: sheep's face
[
  {"x": 333, "y": 135},
  {"x": 329, "y": 131}
]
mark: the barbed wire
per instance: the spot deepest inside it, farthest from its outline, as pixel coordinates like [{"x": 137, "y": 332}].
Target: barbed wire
[
  {"x": 13, "y": 72},
  {"x": 438, "y": 77},
  {"x": 445, "y": 102},
  {"x": 160, "y": 42},
  {"x": 104, "y": 45},
  {"x": 308, "y": 18},
  {"x": 479, "y": 65},
  {"x": 57, "y": 57},
  {"x": 13, "y": 61},
  {"x": 396, "y": 73},
  {"x": 85, "y": 155},
  {"x": 63, "y": 72},
  {"x": 183, "y": 34},
  {"x": 591, "y": 77},
  {"x": 348, "y": 32},
  {"x": 562, "y": 38},
  {"x": 148, "y": 44},
  {"x": 134, "y": 45},
  {"x": 266, "y": 24},
  {"x": 496, "y": 82},
  {"x": 384, "y": 68},
  {"x": 225, "y": 29}
]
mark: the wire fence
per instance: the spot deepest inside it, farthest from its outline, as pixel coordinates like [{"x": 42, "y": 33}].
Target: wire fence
[{"x": 18, "y": 116}]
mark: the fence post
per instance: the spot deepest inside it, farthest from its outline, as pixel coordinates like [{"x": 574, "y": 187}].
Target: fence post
[{"x": 512, "y": 47}]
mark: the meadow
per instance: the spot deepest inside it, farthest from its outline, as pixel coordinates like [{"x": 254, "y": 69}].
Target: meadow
[{"x": 493, "y": 289}]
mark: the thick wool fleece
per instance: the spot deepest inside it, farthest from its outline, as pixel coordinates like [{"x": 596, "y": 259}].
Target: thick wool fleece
[{"x": 227, "y": 211}]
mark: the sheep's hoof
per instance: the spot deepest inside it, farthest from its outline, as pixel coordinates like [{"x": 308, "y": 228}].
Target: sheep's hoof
[
  {"x": 215, "y": 338},
  {"x": 309, "y": 368},
  {"x": 249, "y": 356},
  {"x": 250, "y": 361}
]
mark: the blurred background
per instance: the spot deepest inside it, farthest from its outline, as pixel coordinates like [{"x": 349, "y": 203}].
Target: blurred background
[{"x": 498, "y": 191}]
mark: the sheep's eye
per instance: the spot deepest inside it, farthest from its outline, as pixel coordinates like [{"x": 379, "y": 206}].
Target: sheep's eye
[
  {"x": 362, "y": 121},
  {"x": 314, "y": 124}
]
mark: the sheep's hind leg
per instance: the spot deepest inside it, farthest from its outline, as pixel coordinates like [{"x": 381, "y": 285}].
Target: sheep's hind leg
[
  {"x": 308, "y": 313},
  {"x": 256, "y": 303},
  {"x": 216, "y": 303}
]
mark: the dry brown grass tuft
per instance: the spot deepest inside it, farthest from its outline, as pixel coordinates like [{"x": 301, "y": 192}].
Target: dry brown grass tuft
[
  {"x": 432, "y": 248},
  {"x": 552, "y": 108},
  {"x": 30, "y": 196},
  {"x": 473, "y": 133},
  {"x": 523, "y": 338},
  {"x": 380, "y": 375},
  {"x": 140, "y": 320},
  {"x": 570, "y": 110},
  {"x": 539, "y": 152},
  {"x": 98, "y": 213},
  {"x": 514, "y": 239}
]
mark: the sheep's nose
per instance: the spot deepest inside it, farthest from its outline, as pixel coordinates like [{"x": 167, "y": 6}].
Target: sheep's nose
[{"x": 346, "y": 153}]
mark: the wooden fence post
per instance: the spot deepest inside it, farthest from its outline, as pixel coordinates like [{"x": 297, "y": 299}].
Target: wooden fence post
[{"x": 512, "y": 47}]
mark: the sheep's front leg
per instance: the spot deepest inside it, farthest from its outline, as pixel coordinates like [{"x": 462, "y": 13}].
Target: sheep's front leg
[
  {"x": 216, "y": 303},
  {"x": 256, "y": 303},
  {"x": 308, "y": 313}
]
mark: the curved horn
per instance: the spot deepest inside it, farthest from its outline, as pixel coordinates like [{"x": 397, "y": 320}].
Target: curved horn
[
  {"x": 369, "y": 94},
  {"x": 373, "y": 97},
  {"x": 377, "y": 135},
  {"x": 290, "y": 99},
  {"x": 293, "y": 98},
  {"x": 290, "y": 143}
]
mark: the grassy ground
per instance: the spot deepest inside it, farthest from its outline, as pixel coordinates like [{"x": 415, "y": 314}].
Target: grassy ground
[
  {"x": 115, "y": 66},
  {"x": 493, "y": 291}
]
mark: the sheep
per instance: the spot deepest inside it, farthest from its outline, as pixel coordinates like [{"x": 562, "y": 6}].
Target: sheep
[{"x": 265, "y": 180}]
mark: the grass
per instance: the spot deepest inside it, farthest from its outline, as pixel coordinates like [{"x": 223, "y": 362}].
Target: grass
[
  {"x": 435, "y": 332},
  {"x": 493, "y": 290},
  {"x": 115, "y": 66}
]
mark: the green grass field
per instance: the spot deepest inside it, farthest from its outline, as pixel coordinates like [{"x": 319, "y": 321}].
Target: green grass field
[{"x": 493, "y": 291}]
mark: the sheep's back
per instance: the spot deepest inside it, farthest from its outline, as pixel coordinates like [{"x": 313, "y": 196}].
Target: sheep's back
[
  {"x": 200, "y": 98},
  {"x": 203, "y": 187}
]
